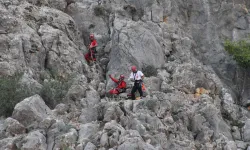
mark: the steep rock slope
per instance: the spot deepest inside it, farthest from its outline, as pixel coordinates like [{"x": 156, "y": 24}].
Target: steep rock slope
[{"x": 180, "y": 41}]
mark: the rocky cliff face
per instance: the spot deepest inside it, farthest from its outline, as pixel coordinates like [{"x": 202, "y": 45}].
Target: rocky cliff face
[{"x": 178, "y": 44}]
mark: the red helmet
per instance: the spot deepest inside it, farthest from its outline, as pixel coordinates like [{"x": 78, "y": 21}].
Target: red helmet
[
  {"x": 133, "y": 68},
  {"x": 91, "y": 36},
  {"x": 122, "y": 76}
]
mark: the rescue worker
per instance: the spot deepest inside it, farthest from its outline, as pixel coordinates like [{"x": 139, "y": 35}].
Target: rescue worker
[
  {"x": 137, "y": 77},
  {"x": 90, "y": 56},
  {"x": 121, "y": 85}
]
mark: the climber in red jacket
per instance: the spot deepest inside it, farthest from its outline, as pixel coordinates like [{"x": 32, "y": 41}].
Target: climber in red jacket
[
  {"x": 121, "y": 85},
  {"x": 90, "y": 56}
]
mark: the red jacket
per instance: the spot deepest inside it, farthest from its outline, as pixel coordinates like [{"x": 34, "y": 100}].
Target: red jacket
[
  {"x": 93, "y": 44},
  {"x": 121, "y": 84}
]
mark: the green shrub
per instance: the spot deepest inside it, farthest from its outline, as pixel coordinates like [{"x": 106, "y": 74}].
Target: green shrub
[
  {"x": 11, "y": 93},
  {"x": 54, "y": 91},
  {"x": 130, "y": 8},
  {"x": 240, "y": 50},
  {"x": 91, "y": 26},
  {"x": 99, "y": 10},
  {"x": 149, "y": 71}
]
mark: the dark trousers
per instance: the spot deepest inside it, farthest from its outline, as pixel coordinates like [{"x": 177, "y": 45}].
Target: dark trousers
[{"x": 137, "y": 86}]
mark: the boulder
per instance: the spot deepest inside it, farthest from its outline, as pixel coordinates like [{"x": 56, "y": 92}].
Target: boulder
[
  {"x": 66, "y": 140},
  {"x": 92, "y": 98},
  {"x": 61, "y": 109},
  {"x": 126, "y": 52},
  {"x": 236, "y": 133},
  {"x": 31, "y": 110},
  {"x": 10, "y": 143},
  {"x": 86, "y": 132},
  {"x": 90, "y": 146},
  {"x": 13, "y": 127},
  {"x": 34, "y": 140}
]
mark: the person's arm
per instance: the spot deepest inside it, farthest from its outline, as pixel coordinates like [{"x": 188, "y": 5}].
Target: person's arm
[
  {"x": 113, "y": 79},
  {"x": 142, "y": 75}
]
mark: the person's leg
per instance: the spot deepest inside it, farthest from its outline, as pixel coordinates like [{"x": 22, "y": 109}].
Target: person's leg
[
  {"x": 87, "y": 57},
  {"x": 140, "y": 90},
  {"x": 133, "y": 92},
  {"x": 92, "y": 55},
  {"x": 113, "y": 91}
]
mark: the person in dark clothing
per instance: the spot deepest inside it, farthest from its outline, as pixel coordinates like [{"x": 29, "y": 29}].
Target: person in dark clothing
[{"x": 137, "y": 77}]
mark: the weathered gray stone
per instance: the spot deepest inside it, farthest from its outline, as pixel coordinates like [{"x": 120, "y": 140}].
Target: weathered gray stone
[
  {"x": 101, "y": 89},
  {"x": 10, "y": 143},
  {"x": 68, "y": 139},
  {"x": 31, "y": 110},
  {"x": 92, "y": 98},
  {"x": 13, "y": 127},
  {"x": 236, "y": 133},
  {"x": 90, "y": 146},
  {"x": 61, "y": 109},
  {"x": 241, "y": 144},
  {"x": 58, "y": 4},
  {"x": 246, "y": 131},
  {"x": 86, "y": 132},
  {"x": 34, "y": 140},
  {"x": 104, "y": 140},
  {"x": 76, "y": 93},
  {"x": 46, "y": 123},
  {"x": 147, "y": 52},
  {"x": 88, "y": 115},
  {"x": 63, "y": 57},
  {"x": 152, "y": 83},
  {"x": 55, "y": 130},
  {"x": 182, "y": 39},
  {"x": 230, "y": 146}
]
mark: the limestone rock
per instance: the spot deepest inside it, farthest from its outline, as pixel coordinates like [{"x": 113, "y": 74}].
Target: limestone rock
[
  {"x": 35, "y": 140},
  {"x": 90, "y": 146},
  {"x": 13, "y": 127},
  {"x": 31, "y": 110}
]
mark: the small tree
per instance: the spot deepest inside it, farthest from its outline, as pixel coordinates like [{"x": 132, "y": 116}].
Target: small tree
[{"x": 240, "y": 50}]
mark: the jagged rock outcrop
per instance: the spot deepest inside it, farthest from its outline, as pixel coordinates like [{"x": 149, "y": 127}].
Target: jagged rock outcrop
[
  {"x": 38, "y": 37},
  {"x": 178, "y": 45}
]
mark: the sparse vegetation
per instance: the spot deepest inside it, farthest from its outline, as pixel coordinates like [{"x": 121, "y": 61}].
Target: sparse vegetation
[
  {"x": 149, "y": 71},
  {"x": 91, "y": 26},
  {"x": 99, "y": 10},
  {"x": 11, "y": 93},
  {"x": 240, "y": 50},
  {"x": 130, "y": 8},
  {"x": 54, "y": 90}
]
